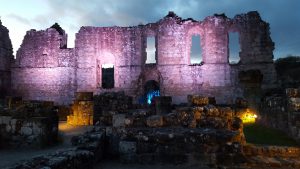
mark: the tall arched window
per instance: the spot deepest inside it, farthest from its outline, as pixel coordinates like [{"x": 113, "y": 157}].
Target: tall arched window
[
  {"x": 151, "y": 50},
  {"x": 196, "y": 51},
  {"x": 234, "y": 48}
]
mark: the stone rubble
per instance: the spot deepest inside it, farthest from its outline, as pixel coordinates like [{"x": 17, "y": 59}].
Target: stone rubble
[
  {"x": 28, "y": 124},
  {"x": 210, "y": 133},
  {"x": 88, "y": 149}
]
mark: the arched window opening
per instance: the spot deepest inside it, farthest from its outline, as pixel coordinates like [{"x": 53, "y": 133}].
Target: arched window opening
[
  {"x": 234, "y": 48},
  {"x": 151, "y": 50},
  {"x": 196, "y": 51}
]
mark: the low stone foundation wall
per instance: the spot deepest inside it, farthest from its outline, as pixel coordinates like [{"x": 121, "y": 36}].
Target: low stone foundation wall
[
  {"x": 33, "y": 132},
  {"x": 271, "y": 157},
  {"x": 108, "y": 104},
  {"x": 212, "y": 147},
  {"x": 88, "y": 149},
  {"x": 271, "y": 151},
  {"x": 175, "y": 145},
  {"x": 199, "y": 131},
  {"x": 28, "y": 124}
]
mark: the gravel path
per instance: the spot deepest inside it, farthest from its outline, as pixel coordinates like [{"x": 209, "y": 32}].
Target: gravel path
[{"x": 12, "y": 156}]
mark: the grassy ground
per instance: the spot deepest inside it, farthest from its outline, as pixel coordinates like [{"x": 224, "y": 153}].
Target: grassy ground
[{"x": 258, "y": 134}]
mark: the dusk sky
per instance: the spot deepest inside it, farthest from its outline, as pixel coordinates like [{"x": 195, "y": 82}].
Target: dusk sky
[{"x": 20, "y": 16}]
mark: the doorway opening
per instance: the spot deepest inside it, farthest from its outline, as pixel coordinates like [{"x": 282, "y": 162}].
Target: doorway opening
[
  {"x": 108, "y": 78},
  {"x": 151, "y": 89}
]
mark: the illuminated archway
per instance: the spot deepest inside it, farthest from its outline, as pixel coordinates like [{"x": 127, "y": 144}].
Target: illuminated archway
[{"x": 151, "y": 89}]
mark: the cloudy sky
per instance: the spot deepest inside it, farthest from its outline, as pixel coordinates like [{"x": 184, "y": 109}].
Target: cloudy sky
[{"x": 22, "y": 15}]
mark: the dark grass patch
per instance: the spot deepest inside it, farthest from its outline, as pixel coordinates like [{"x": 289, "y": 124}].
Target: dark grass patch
[{"x": 261, "y": 135}]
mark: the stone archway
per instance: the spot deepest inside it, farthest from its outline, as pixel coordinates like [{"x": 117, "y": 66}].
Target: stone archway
[{"x": 151, "y": 89}]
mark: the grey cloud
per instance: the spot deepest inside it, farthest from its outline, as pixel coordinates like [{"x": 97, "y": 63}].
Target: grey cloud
[{"x": 20, "y": 19}]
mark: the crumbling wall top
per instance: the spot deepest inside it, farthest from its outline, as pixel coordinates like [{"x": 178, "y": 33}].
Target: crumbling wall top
[
  {"x": 6, "y": 50},
  {"x": 43, "y": 48}
]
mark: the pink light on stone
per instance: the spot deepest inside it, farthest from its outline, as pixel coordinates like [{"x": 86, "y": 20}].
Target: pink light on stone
[
  {"x": 45, "y": 69},
  {"x": 107, "y": 57}
]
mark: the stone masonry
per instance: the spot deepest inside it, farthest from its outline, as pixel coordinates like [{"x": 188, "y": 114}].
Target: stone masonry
[
  {"x": 45, "y": 69},
  {"x": 6, "y": 58}
]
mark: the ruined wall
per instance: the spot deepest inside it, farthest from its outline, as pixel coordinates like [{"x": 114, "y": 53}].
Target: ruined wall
[
  {"x": 118, "y": 46},
  {"x": 256, "y": 46},
  {"x": 6, "y": 57},
  {"x": 126, "y": 49},
  {"x": 80, "y": 69},
  {"x": 182, "y": 78},
  {"x": 42, "y": 69},
  {"x": 282, "y": 111}
]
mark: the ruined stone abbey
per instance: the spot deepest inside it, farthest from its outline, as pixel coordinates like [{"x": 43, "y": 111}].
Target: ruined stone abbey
[{"x": 45, "y": 69}]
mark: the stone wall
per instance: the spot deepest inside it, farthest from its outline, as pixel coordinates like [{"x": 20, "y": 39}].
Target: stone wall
[
  {"x": 87, "y": 149},
  {"x": 43, "y": 70},
  {"x": 6, "y": 58},
  {"x": 26, "y": 124},
  {"x": 282, "y": 112},
  {"x": 21, "y": 133},
  {"x": 43, "y": 66}
]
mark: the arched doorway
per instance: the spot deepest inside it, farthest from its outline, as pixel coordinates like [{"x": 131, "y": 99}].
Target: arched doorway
[{"x": 151, "y": 89}]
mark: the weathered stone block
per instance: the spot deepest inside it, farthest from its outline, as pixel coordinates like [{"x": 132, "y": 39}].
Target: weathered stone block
[
  {"x": 226, "y": 112},
  {"x": 127, "y": 147},
  {"x": 171, "y": 119},
  {"x": 155, "y": 121},
  {"x": 27, "y": 131},
  {"x": 292, "y": 92},
  {"x": 84, "y": 96},
  {"x": 186, "y": 117},
  {"x": 294, "y": 104},
  {"x": 118, "y": 120},
  {"x": 197, "y": 100},
  {"x": 140, "y": 112},
  {"x": 198, "y": 112},
  {"x": 211, "y": 110},
  {"x": 83, "y": 113}
]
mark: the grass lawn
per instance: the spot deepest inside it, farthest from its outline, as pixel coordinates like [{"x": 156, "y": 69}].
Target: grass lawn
[{"x": 261, "y": 135}]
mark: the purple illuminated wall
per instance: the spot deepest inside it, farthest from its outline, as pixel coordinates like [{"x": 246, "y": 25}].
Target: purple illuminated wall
[{"x": 45, "y": 71}]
